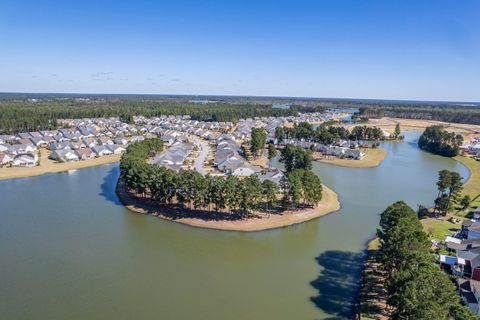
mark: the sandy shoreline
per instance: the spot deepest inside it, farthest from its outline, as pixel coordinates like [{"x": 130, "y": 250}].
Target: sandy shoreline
[
  {"x": 49, "y": 166},
  {"x": 373, "y": 158},
  {"x": 418, "y": 125},
  {"x": 261, "y": 222}
]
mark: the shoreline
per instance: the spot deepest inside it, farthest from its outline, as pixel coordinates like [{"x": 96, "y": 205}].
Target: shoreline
[
  {"x": 256, "y": 222},
  {"x": 373, "y": 158},
  {"x": 49, "y": 166}
]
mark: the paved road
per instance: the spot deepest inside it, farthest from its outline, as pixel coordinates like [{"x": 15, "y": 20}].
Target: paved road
[{"x": 204, "y": 149}]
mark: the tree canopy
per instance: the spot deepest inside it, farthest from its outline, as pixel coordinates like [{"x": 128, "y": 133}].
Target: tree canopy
[
  {"x": 416, "y": 287},
  {"x": 436, "y": 139}
]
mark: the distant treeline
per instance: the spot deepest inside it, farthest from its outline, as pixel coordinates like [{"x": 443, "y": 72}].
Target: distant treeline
[
  {"x": 26, "y": 115},
  {"x": 447, "y": 113}
]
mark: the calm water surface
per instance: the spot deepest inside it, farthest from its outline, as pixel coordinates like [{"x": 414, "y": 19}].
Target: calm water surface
[{"x": 69, "y": 250}]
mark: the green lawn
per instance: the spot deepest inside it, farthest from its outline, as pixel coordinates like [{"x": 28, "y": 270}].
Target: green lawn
[
  {"x": 439, "y": 229},
  {"x": 472, "y": 187}
]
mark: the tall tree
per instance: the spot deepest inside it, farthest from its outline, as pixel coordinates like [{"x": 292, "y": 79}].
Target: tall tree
[
  {"x": 270, "y": 191},
  {"x": 272, "y": 152},
  {"x": 257, "y": 141}
]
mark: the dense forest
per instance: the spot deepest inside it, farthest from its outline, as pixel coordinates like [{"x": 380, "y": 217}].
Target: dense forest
[
  {"x": 328, "y": 134},
  {"x": 437, "y": 140},
  {"x": 26, "y": 115},
  {"x": 192, "y": 190},
  {"x": 447, "y": 113},
  {"x": 416, "y": 287}
]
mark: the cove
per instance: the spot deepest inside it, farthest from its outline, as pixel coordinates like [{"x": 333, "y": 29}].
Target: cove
[{"x": 70, "y": 250}]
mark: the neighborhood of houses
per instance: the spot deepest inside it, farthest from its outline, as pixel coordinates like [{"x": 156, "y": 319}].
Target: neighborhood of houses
[
  {"x": 190, "y": 143},
  {"x": 463, "y": 260}
]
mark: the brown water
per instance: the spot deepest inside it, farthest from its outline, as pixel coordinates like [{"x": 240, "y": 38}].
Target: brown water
[{"x": 69, "y": 250}]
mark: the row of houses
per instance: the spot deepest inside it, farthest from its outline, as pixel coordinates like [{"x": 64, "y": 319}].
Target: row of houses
[
  {"x": 174, "y": 158},
  {"x": 345, "y": 149},
  {"x": 206, "y": 130},
  {"x": 229, "y": 160},
  {"x": 67, "y": 155},
  {"x": 463, "y": 261}
]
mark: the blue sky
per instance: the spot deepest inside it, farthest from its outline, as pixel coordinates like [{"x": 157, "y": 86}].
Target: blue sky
[{"x": 395, "y": 49}]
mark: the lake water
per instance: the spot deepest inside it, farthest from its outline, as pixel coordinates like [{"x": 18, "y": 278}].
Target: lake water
[{"x": 69, "y": 250}]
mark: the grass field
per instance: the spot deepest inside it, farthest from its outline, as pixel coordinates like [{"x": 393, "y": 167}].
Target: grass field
[{"x": 441, "y": 228}]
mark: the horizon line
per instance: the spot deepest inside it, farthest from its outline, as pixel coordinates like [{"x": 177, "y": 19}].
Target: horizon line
[{"x": 235, "y": 96}]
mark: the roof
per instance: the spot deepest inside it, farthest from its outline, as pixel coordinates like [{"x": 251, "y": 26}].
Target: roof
[
  {"x": 465, "y": 290},
  {"x": 475, "y": 226},
  {"x": 469, "y": 254},
  {"x": 467, "y": 223},
  {"x": 448, "y": 259}
]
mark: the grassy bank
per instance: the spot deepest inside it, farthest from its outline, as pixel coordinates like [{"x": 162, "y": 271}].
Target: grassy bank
[{"x": 441, "y": 228}]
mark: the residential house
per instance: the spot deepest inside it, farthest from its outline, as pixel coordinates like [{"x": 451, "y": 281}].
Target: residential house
[
  {"x": 39, "y": 141},
  {"x": 85, "y": 154},
  {"x": 121, "y": 141},
  {"x": 115, "y": 148},
  {"x": 4, "y": 147},
  {"x": 275, "y": 176},
  {"x": 103, "y": 141},
  {"x": 6, "y": 138},
  {"x": 101, "y": 151},
  {"x": 25, "y": 160},
  {"x": 5, "y": 159},
  {"x": 21, "y": 148},
  {"x": 64, "y": 155}
]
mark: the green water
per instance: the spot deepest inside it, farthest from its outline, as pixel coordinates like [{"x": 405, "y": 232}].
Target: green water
[{"x": 69, "y": 250}]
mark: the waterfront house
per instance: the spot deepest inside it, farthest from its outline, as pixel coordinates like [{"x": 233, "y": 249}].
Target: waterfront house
[
  {"x": 85, "y": 154},
  {"x": 5, "y": 159},
  {"x": 101, "y": 151},
  {"x": 355, "y": 154},
  {"x": 89, "y": 142},
  {"x": 115, "y": 148},
  {"x": 25, "y": 160},
  {"x": 64, "y": 155}
]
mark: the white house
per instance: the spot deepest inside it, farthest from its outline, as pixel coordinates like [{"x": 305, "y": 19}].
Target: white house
[
  {"x": 85, "y": 153},
  {"x": 64, "y": 155},
  {"x": 25, "y": 160},
  {"x": 101, "y": 151},
  {"x": 116, "y": 149},
  {"x": 5, "y": 159}
]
